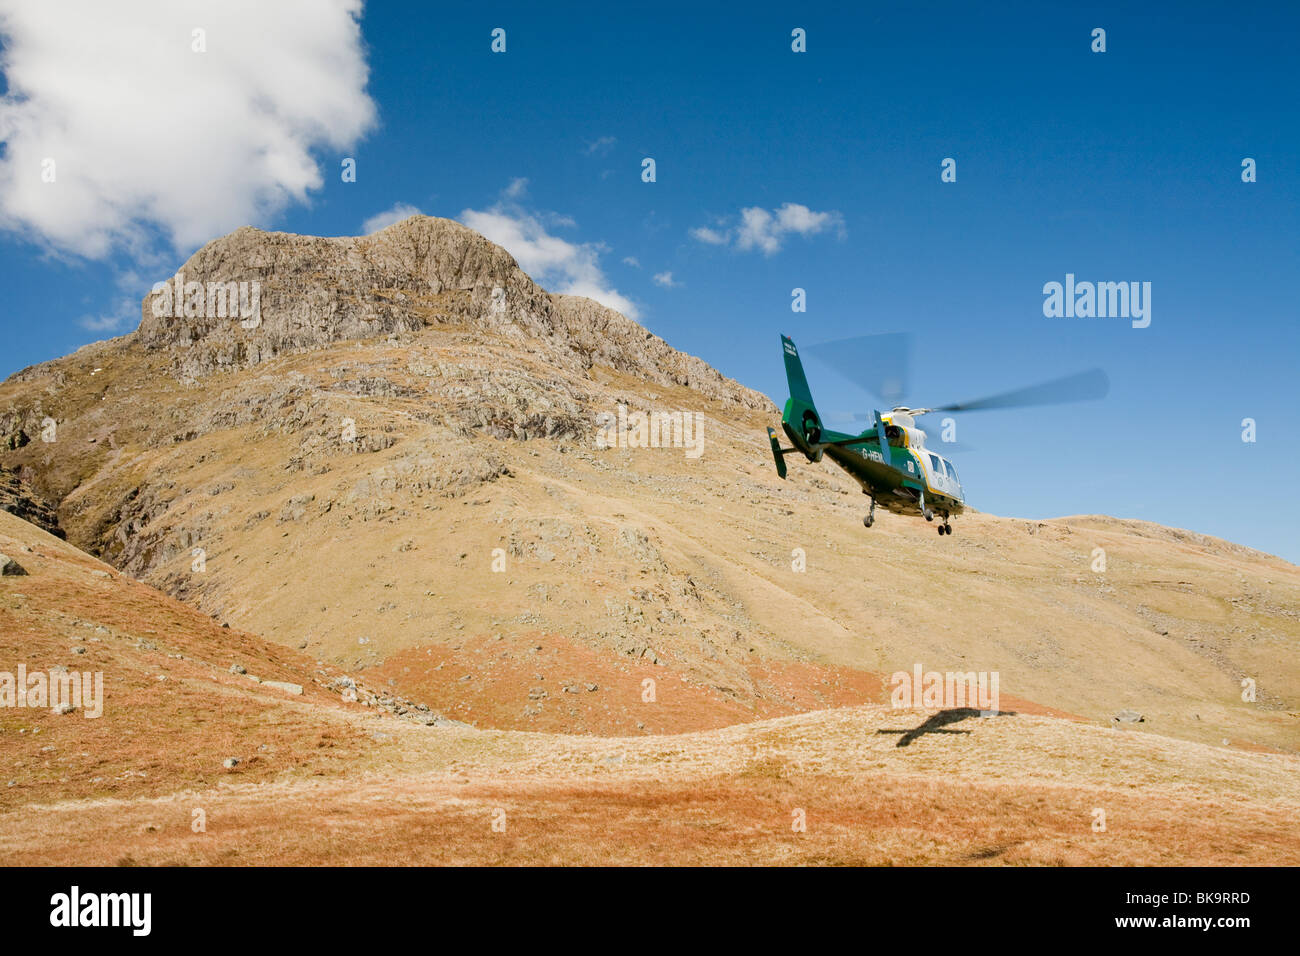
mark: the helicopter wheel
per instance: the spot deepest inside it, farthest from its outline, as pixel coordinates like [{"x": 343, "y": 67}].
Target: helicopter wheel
[
  {"x": 941, "y": 530},
  {"x": 868, "y": 521}
]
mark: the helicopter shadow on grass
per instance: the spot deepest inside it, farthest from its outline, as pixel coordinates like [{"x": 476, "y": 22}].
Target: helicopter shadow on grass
[{"x": 938, "y": 724}]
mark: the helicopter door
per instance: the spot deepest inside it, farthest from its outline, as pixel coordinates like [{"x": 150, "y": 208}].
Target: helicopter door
[{"x": 939, "y": 479}]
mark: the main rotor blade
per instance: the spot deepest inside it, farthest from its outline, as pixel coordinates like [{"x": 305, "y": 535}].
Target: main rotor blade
[
  {"x": 1071, "y": 388},
  {"x": 877, "y": 363}
]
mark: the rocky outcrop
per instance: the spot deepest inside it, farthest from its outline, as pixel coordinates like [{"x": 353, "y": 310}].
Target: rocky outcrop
[
  {"x": 252, "y": 295},
  {"x": 21, "y": 501}
]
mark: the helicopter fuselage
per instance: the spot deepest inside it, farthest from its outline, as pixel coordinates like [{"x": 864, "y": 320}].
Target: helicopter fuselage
[
  {"x": 889, "y": 461},
  {"x": 914, "y": 480}
]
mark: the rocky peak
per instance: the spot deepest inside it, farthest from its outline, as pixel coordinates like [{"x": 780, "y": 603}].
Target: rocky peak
[{"x": 252, "y": 295}]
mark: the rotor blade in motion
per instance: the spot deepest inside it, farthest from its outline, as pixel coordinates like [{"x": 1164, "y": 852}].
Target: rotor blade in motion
[
  {"x": 1071, "y": 388},
  {"x": 877, "y": 363}
]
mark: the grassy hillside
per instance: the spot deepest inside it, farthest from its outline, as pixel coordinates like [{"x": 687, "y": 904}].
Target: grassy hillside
[{"x": 376, "y": 551}]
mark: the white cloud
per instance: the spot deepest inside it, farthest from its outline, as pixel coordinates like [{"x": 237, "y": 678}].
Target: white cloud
[
  {"x": 146, "y": 132},
  {"x": 757, "y": 231},
  {"x": 665, "y": 279},
  {"x": 794, "y": 217},
  {"x": 632, "y": 261},
  {"x": 601, "y": 146},
  {"x": 766, "y": 231},
  {"x": 711, "y": 236},
  {"x": 517, "y": 188},
  {"x": 382, "y": 220},
  {"x": 557, "y": 264}
]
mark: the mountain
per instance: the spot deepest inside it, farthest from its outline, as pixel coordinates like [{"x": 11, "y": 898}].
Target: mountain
[{"x": 340, "y": 470}]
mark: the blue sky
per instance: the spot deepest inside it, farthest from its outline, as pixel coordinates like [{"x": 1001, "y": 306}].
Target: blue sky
[{"x": 1115, "y": 166}]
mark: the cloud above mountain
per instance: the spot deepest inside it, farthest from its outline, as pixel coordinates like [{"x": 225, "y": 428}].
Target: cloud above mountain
[
  {"x": 570, "y": 268},
  {"x": 382, "y": 220},
  {"x": 759, "y": 229},
  {"x": 123, "y": 121}
]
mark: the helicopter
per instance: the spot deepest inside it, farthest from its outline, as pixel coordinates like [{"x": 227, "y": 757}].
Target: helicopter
[{"x": 890, "y": 460}]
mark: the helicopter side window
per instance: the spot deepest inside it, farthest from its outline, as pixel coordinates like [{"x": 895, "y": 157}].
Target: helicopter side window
[
  {"x": 937, "y": 465},
  {"x": 952, "y": 473}
]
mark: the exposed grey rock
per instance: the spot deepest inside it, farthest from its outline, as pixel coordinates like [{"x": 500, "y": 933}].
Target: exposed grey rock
[
  {"x": 420, "y": 272},
  {"x": 20, "y": 500}
]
